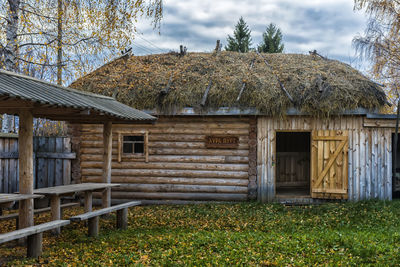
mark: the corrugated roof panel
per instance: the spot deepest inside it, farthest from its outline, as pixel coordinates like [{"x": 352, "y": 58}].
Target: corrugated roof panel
[{"x": 27, "y": 88}]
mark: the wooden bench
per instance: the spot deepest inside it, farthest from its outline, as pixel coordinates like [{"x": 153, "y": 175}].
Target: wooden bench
[
  {"x": 55, "y": 194},
  {"x": 34, "y": 234},
  {"x": 38, "y": 211},
  {"x": 93, "y": 217}
]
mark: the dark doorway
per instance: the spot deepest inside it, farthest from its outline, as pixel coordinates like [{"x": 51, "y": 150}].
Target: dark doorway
[
  {"x": 396, "y": 175},
  {"x": 293, "y": 163}
]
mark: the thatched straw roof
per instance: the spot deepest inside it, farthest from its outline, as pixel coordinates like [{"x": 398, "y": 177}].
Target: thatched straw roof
[{"x": 168, "y": 82}]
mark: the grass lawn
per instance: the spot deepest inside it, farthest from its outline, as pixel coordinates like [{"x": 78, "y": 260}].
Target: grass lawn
[{"x": 366, "y": 233}]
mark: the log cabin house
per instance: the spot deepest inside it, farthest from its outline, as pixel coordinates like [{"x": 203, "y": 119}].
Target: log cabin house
[{"x": 237, "y": 127}]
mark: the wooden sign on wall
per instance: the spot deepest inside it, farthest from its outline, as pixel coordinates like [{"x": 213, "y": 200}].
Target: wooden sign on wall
[{"x": 219, "y": 141}]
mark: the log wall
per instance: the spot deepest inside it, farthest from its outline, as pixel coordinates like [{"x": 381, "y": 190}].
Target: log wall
[
  {"x": 179, "y": 166},
  {"x": 369, "y": 155}
]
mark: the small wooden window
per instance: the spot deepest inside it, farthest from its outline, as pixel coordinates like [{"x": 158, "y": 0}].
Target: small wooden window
[{"x": 133, "y": 144}]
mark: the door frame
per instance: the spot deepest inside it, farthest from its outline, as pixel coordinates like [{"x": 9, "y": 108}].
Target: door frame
[{"x": 276, "y": 159}]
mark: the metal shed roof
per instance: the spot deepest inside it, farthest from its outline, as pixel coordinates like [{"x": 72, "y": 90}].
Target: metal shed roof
[{"x": 20, "y": 87}]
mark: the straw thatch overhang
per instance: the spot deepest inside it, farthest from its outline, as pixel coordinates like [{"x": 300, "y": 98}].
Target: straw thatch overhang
[
  {"x": 224, "y": 111},
  {"x": 54, "y": 102},
  {"x": 253, "y": 83}
]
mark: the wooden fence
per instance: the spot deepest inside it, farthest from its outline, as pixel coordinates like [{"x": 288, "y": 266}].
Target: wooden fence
[{"x": 52, "y": 162}]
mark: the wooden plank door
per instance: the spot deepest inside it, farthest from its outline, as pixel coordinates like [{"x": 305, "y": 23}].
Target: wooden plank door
[{"x": 329, "y": 164}]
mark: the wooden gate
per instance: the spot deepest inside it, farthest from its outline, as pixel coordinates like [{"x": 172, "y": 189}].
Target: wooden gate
[
  {"x": 51, "y": 166},
  {"x": 329, "y": 164}
]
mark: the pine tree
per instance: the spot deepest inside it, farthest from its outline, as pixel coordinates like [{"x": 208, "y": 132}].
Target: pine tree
[
  {"x": 272, "y": 40},
  {"x": 241, "y": 40}
]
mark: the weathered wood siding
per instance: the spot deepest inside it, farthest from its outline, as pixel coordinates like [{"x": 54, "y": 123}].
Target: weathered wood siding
[
  {"x": 51, "y": 166},
  {"x": 292, "y": 170},
  {"x": 369, "y": 154},
  {"x": 9, "y": 165},
  {"x": 179, "y": 166}
]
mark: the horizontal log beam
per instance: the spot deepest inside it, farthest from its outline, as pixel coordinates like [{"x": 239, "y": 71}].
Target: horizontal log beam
[
  {"x": 177, "y": 196},
  {"x": 181, "y": 188},
  {"x": 169, "y": 173},
  {"x": 199, "y": 152},
  {"x": 169, "y": 130},
  {"x": 169, "y": 180},
  {"x": 376, "y": 123},
  {"x": 49, "y": 155},
  {"x": 331, "y": 191},
  {"x": 173, "y": 151},
  {"x": 170, "y": 166},
  {"x": 9, "y": 155},
  {"x": 182, "y": 120},
  {"x": 171, "y": 158},
  {"x": 155, "y": 144},
  {"x": 161, "y": 138},
  {"x": 56, "y": 155}
]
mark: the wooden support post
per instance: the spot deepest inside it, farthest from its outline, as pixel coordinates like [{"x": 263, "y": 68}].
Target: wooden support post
[
  {"x": 204, "y": 99},
  {"x": 165, "y": 90},
  {"x": 122, "y": 218},
  {"x": 34, "y": 246},
  {"x": 120, "y": 147},
  {"x": 244, "y": 83},
  {"x": 88, "y": 201},
  {"x": 25, "y": 167},
  {"x": 55, "y": 204},
  {"x": 146, "y": 146},
  {"x": 218, "y": 46},
  {"x": 93, "y": 226},
  {"x": 183, "y": 50},
  {"x": 107, "y": 156}
]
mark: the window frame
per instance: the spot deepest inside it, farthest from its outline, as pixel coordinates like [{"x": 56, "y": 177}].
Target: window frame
[
  {"x": 122, "y": 155},
  {"x": 132, "y": 143}
]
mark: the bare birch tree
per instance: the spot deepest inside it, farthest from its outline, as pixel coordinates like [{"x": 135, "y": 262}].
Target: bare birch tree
[
  {"x": 381, "y": 44},
  {"x": 60, "y": 40}
]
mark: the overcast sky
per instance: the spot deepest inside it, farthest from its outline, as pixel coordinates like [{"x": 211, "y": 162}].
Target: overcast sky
[{"x": 325, "y": 25}]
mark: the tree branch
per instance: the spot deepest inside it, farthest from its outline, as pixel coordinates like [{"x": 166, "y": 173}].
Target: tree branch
[
  {"x": 37, "y": 14},
  {"x": 79, "y": 41},
  {"x": 37, "y": 44},
  {"x": 37, "y": 63},
  {"x": 35, "y": 33}
]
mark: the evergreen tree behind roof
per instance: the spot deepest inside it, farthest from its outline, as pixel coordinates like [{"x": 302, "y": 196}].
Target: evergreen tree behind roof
[
  {"x": 272, "y": 40},
  {"x": 241, "y": 40}
]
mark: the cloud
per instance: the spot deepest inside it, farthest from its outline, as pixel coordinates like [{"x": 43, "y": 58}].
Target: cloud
[{"x": 325, "y": 25}]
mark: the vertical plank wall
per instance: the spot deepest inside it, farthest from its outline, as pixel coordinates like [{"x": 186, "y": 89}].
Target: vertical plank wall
[
  {"x": 52, "y": 162},
  {"x": 52, "y": 166},
  {"x": 369, "y": 155},
  {"x": 290, "y": 172},
  {"x": 179, "y": 167},
  {"x": 9, "y": 166}
]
